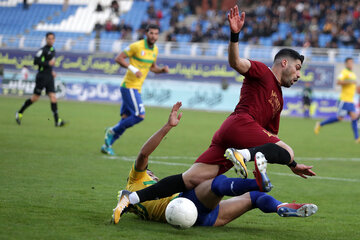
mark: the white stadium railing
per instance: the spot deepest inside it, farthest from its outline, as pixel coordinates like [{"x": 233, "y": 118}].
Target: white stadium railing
[{"x": 178, "y": 49}]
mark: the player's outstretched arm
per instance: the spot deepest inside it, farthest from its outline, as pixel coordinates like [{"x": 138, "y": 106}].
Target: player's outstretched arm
[
  {"x": 236, "y": 22},
  {"x": 154, "y": 141},
  {"x": 156, "y": 69}
]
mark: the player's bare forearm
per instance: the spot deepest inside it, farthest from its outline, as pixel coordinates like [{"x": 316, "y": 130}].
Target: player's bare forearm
[
  {"x": 345, "y": 82},
  {"x": 153, "y": 142},
  {"x": 236, "y": 22},
  {"x": 120, "y": 59},
  {"x": 156, "y": 69}
]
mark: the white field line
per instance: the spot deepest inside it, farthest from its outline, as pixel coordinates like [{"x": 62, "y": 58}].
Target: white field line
[{"x": 132, "y": 158}]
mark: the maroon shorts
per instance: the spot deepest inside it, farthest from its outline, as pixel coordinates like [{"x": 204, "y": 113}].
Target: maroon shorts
[{"x": 237, "y": 131}]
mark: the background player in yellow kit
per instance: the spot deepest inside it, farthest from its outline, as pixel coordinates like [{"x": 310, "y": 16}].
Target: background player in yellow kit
[
  {"x": 142, "y": 59},
  {"x": 346, "y": 105},
  {"x": 207, "y": 196}
]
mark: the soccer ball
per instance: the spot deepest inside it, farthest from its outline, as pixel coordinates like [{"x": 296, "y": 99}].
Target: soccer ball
[{"x": 181, "y": 213}]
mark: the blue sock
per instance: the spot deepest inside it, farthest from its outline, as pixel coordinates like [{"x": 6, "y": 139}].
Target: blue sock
[
  {"x": 329, "y": 120},
  {"x": 123, "y": 124},
  {"x": 355, "y": 128},
  {"x": 224, "y": 186},
  {"x": 266, "y": 203}
]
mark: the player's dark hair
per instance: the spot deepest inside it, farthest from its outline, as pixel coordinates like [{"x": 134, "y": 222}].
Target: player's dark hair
[
  {"x": 152, "y": 26},
  {"x": 348, "y": 59},
  {"x": 287, "y": 52},
  {"x": 49, "y": 33}
]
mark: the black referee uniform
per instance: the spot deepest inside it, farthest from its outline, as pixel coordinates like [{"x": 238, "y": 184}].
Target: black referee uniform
[
  {"x": 44, "y": 77},
  {"x": 44, "y": 59}
]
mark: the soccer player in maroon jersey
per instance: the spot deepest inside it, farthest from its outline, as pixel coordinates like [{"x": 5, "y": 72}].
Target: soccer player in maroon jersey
[{"x": 252, "y": 127}]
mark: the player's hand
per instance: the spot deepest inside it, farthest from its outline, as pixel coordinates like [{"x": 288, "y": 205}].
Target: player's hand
[
  {"x": 174, "y": 118},
  {"x": 236, "y": 21},
  {"x": 53, "y": 74},
  {"x": 52, "y": 62},
  {"x": 303, "y": 170},
  {"x": 138, "y": 74},
  {"x": 165, "y": 69}
]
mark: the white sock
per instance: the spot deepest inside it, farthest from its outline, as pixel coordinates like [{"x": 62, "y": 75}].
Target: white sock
[
  {"x": 246, "y": 154},
  {"x": 134, "y": 198}
]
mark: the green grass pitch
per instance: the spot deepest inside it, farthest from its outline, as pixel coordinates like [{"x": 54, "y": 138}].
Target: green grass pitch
[{"x": 55, "y": 183}]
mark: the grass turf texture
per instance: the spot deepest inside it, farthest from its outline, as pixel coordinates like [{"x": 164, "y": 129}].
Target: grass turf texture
[{"x": 55, "y": 183}]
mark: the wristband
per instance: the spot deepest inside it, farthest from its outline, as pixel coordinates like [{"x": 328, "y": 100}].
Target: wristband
[
  {"x": 234, "y": 37},
  {"x": 133, "y": 69},
  {"x": 292, "y": 164}
]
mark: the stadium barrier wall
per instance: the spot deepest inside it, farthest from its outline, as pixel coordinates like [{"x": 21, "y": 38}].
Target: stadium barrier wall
[{"x": 198, "y": 83}]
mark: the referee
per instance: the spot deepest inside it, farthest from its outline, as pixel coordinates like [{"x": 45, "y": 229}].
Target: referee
[{"x": 45, "y": 59}]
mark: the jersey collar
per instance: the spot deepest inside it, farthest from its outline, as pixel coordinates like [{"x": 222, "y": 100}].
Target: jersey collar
[{"x": 147, "y": 46}]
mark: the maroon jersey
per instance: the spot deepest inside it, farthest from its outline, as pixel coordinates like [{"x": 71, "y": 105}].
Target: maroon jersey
[{"x": 261, "y": 97}]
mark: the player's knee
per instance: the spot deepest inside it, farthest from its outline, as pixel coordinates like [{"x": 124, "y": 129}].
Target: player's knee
[
  {"x": 192, "y": 180},
  {"x": 34, "y": 98},
  {"x": 291, "y": 153},
  {"x": 138, "y": 119}
]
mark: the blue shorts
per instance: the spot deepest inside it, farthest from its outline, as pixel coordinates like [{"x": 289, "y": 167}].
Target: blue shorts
[
  {"x": 206, "y": 216},
  {"x": 132, "y": 103},
  {"x": 344, "y": 108}
]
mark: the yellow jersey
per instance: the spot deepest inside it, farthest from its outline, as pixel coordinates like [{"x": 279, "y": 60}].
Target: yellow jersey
[
  {"x": 149, "y": 210},
  {"x": 141, "y": 57},
  {"x": 347, "y": 90}
]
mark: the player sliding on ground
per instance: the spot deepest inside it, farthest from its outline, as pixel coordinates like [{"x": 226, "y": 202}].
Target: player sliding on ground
[
  {"x": 252, "y": 127},
  {"x": 207, "y": 196}
]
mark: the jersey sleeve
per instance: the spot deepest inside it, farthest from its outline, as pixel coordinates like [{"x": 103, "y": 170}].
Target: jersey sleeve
[
  {"x": 131, "y": 50},
  {"x": 39, "y": 59},
  {"x": 256, "y": 70},
  {"x": 136, "y": 175}
]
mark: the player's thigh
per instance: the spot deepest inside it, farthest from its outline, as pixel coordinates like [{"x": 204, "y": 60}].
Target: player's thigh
[
  {"x": 342, "y": 109},
  {"x": 206, "y": 216},
  {"x": 132, "y": 103},
  {"x": 198, "y": 173},
  {"x": 233, "y": 208},
  {"x": 245, "y": 133},
  {"x": 50, "y": 85},
  {"x": 39, "y": 84},
  {"x": 206, "y": 196},
  {"x": 214, "y": 155}
]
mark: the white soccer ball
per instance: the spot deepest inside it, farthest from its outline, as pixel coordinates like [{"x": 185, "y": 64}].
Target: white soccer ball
[{"x": 181, "y": 213}]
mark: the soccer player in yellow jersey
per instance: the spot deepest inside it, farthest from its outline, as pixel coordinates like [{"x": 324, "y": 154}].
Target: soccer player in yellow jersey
[
  {"x": 142, "y": 59},
  {"x": 347, "y": 80},
  {"x": 207, "y": 196}
]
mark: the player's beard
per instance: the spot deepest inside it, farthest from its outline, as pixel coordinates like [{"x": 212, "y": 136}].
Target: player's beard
[{"x": 287, "y": 76}]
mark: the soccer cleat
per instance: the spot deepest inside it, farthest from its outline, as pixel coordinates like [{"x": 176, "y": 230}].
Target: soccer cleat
[
  {"x": 121, "y": 206},
  {"x": 238, "y": 160},
  {"x": 107, "y": 150},
  {"x": 357, "y": 140},
  {"x": 60, "y": 123},
  {"x": 296, "y": 210},
  {"x": 262, "y": 179},
  {"x": 109, "y": 135},
  {"x": 317, "y": 128},
  {"x": 18, "y": 117}
]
